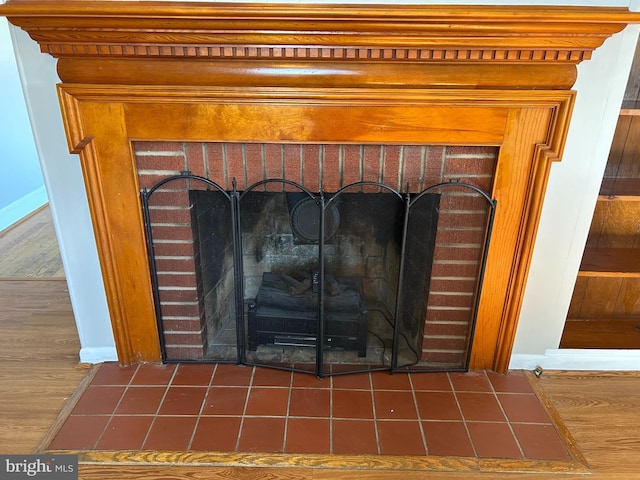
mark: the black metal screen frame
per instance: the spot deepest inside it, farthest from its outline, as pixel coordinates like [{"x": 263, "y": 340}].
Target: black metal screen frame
[{"x": 234, "y": 197}]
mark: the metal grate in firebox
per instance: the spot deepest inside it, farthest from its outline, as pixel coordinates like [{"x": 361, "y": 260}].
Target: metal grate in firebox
[{"x": 327, "y": 283}]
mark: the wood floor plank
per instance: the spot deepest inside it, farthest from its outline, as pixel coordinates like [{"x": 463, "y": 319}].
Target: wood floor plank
[
  {"x": 99, "y": 472},
  {"x": 38, "y": 360},
  {"x": 30, "y": 248},
  {"x": 602, "y": 410}
]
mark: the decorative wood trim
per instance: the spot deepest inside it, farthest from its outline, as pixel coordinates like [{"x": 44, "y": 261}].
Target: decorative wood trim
[
  {"x": 455, "y": 75},
  {"x": 68, "y": 407},
  {"x": 319, "y": 463},
  {"x": 255, "y": 73},
  {"x": 352, "y": 39},
  {"x": 113, "y": 116},
  {"x": 368, "y": 54},
  {"x": 559, "y": 425}
]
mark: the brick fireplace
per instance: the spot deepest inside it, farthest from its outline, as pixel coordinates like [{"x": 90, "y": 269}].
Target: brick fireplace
[
  {"x": 429, "y": 76},
  {"x": 192, "y": 315}
]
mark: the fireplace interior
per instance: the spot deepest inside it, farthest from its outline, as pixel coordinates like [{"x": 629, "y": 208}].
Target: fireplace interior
[{"x": 378, "y": 273}]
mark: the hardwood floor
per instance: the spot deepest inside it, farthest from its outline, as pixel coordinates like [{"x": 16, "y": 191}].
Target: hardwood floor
[
  {"x": 38, "y": 339},
  {"x": 29, "y": 248},
  {"x": 39, "y": 371},
  {"x": 38, "y": 360}
]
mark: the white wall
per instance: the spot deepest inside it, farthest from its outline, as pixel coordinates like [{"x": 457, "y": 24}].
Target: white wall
[
  {"x": 569, "y": 204},
  {"x": 567, "y": 212},
  {"x": 69, "y": 208},
  {"x": 21, "y": 186}
]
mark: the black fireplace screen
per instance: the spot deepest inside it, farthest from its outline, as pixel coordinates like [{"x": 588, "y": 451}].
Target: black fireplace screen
[{"x": 364, "y": 278}]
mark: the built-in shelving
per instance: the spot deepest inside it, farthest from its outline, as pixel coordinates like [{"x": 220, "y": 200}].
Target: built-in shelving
[
  {"x": 630, "y": 108},
  {"x": 625, "y": 189},
  {"x": 605, "y": 307},
  {"x": 610, "y": 262}
]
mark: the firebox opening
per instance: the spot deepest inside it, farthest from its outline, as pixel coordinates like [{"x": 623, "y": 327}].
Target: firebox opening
[{"x": 281, "y": 275}]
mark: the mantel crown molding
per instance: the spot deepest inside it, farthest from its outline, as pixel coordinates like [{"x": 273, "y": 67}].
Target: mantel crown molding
[{"x": 352, "y": 33}]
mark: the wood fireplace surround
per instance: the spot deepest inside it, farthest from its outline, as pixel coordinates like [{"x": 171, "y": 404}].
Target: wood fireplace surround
[{"x": 225, "y": 72}]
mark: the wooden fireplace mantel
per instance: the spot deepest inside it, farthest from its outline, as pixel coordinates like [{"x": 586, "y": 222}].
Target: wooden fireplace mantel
[
  {"x": 448, "y": 75},
  {"x": 315, "y": 45}
]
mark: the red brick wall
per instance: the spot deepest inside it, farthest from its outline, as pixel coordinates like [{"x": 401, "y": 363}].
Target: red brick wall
[{"x": 458, "y": 242}]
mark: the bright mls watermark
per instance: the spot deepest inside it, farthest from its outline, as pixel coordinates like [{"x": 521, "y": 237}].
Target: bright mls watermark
[{"x": 50, "y": 467}]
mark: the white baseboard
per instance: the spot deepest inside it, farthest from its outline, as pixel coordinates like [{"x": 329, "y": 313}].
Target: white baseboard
[
  {"x": 22, "y": 207},
  {"x": 98, "y": 355},
  {"x": 578, "y": 359}
]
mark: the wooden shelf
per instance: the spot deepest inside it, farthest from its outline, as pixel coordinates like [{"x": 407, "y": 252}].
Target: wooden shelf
[
  {"x": 630, "y": 108},
  {"x": 601, "y": 333},
  {"x": 625, "y": 189},
  {"x": 610, "y": 262},
  {"x": 605, "y": 311}
]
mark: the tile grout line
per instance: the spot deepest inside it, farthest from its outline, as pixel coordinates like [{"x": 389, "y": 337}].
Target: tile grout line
[
  {"x": 244, "y": 409},
  {"x": 286, "y": 415},
  {"x": 113, "y": 413},
  {"x": 375, "y": 418},
  {"x": 513, "y": 433},
  {"x": 331, "y": 414},
  {"x": 464, "y": 420},
  {"x": 157, "y": 414},
  {"x": 202, "y": 405},
  {"x": 420, "y": 425}
]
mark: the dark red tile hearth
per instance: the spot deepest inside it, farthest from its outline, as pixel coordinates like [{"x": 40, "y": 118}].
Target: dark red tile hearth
[
  {"x": 354, "y": 437},
  {"x": 400, "y": 438},
  {"x": 141, "y": 401},
  {"x": 308, "y": 435},
  {"x": 271, "y": 377},
  {"x": 98, "y": 400},
  {"x": 523, "y": 408},
  {"x": 170, "y": 433},
  {"x": 395, "y": 405},
  {"x": 431, "y": 381},
  {"x": 493, "y": 440},
  {"x": 384, "y": 381},
  {"x": 260, "y": 434},
  {"x": 125, "y": 432},
  {"x": 114, "y": 374},
  {"x": 183, "y": 401},
  {"x": 438, "y": 406},
  {"x": 216, "y": 434},
  {"x": 305, "y": 380},
  {"x": 228, "y": 408},
  {"x": 356, "y": 381},
  {"x": 447, "y": 439},
  {"x": 540, "y": 442},
  {"x": 480, "y": 407},
  {"x": 310, "y": 402},
  {"x": 225, "y": 401},
  {"x": 148, "y": 374},
  {"x": 232, "y": 375},
  {"x": 512, "y": 382},
  {"x": 473, "y": 381},
  {"x": 193, "y": 374},
  {"x": 79, "y": 432},
  {"x": 268, "y": 401},
  {"x": 352, "y": 404}
]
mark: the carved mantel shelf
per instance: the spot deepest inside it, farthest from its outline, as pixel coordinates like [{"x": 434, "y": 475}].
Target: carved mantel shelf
[
  {"x": 285, "y": 44},
  {"x": 452, "y": 75}
]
